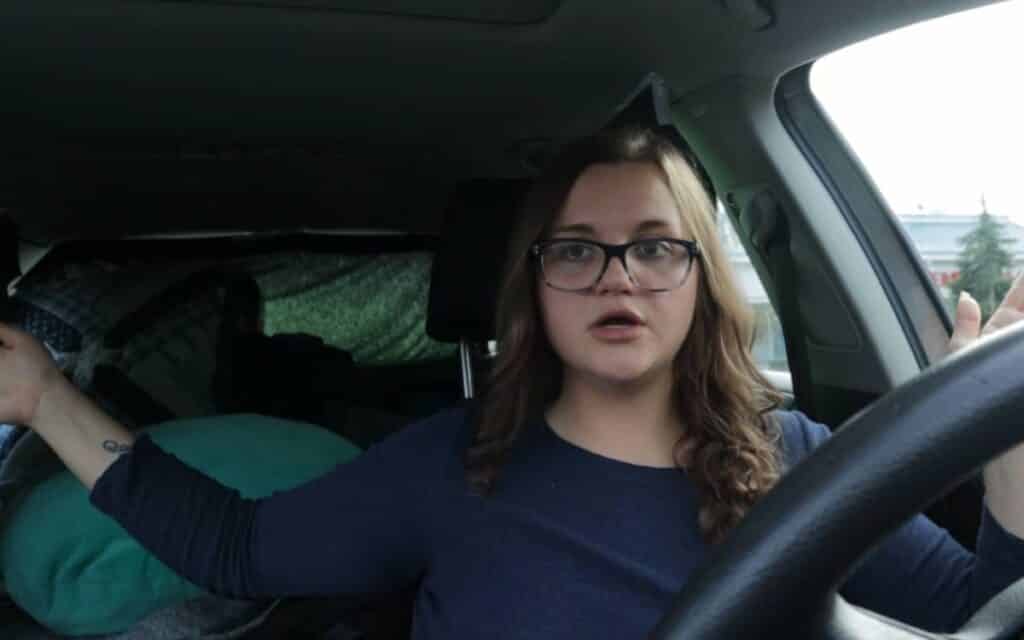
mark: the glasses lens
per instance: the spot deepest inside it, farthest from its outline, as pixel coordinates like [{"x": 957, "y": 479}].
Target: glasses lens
[
  {"x": 658, "y": 264},
  {"x": 571, "y": 265}
]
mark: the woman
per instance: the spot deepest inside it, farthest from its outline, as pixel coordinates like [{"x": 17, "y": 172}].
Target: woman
[{"x": 624, "y": 430}]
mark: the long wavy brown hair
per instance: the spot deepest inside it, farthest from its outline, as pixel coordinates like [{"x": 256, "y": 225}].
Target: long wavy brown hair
[{"x": 730, "y": 446}]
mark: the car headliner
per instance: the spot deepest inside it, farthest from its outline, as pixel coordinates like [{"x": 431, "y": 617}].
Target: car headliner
[{"x": 148, "y": 116}]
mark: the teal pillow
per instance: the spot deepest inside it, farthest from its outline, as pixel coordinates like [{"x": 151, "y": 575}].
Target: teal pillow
[{"x": 76, "y": 571}]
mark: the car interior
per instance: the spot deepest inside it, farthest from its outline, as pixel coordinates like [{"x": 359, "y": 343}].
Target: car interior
[{"x": 158, "y": 154}]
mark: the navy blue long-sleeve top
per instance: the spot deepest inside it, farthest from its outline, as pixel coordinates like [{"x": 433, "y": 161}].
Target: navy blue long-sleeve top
[{"x": 569, "y": 544}]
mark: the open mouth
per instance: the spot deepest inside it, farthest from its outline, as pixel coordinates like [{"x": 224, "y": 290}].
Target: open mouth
[{"x": 618, "y": 319}]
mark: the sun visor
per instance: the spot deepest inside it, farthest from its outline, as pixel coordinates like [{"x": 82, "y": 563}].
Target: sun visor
[{"x": 650, "y": 106}]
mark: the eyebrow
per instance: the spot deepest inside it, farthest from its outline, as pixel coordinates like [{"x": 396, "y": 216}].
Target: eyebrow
[{"x": 586, "y": 229}]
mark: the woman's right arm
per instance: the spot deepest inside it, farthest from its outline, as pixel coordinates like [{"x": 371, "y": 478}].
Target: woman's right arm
[{"x": 355, "y": 530}]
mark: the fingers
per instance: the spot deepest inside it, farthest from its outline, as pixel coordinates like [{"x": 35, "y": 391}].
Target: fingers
[
  {"x": 9, "y": 336},
  {"x": 1003, "y": 317},
  {"x": 1015, "y": 296},
  {"x": 967, "y": 325},
  {"x": 13, "y": 337}
]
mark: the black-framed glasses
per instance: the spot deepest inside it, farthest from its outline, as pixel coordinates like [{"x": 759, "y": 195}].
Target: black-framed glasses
[{"x": 652, "y": 264}]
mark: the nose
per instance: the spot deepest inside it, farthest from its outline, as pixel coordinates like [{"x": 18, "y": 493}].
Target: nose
[{"x": 615, "y": 278}]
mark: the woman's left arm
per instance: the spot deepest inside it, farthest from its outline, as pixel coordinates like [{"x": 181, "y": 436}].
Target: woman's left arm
[
  {"x": 920, "y": 574},
  {"x": 1004, "y": 476}
]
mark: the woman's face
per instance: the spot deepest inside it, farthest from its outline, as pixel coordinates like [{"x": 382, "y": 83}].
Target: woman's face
[{"x": 618, "y": 203}]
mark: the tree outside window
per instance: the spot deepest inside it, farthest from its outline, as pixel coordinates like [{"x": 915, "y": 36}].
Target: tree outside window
[{"x": 984, "y": 263}]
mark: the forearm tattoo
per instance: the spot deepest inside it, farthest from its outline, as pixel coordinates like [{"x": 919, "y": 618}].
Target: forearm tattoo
[{"x": 116, "y": 447}]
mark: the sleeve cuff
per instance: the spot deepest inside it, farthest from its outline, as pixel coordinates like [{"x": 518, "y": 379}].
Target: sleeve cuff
[
  {"x": 1000, "y": 557},
  {"x": 119, "y": 470},
  {"x": 993, "y": 534}
]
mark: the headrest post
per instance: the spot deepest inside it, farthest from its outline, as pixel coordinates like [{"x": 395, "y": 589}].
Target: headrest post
[{"x": 466, "y": 363}]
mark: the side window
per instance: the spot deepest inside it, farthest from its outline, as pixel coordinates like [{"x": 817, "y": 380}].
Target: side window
[
  {"x": 769, "y": 348},
  {"x": 933, "y": 111}
]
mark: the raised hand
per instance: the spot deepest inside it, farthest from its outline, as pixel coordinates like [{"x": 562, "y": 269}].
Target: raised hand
[
  {"x": 26, "y": 371},
  {"x": 967, "y": 326},
  {"x": 1004, "y": 476}
]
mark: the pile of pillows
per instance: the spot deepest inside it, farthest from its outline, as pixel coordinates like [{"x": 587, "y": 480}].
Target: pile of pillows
[{"x": 75, "y": 571}]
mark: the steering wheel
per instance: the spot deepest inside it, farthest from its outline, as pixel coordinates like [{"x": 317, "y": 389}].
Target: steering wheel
[{"x": 777, "y": 573}]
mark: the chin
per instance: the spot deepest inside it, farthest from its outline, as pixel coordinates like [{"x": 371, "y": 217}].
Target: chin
[{"x": 622, "y": 372}]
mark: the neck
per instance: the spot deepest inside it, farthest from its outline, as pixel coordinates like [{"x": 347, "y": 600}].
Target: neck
[{"x": 633, "y": 422}]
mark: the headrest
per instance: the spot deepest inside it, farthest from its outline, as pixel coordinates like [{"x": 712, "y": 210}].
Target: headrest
[{"x": 466, "y": 273}]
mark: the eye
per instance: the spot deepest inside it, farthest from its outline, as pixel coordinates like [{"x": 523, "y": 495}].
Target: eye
[
  {"x": 572, "y": 252},
  {"x": 653, "y": 249}
]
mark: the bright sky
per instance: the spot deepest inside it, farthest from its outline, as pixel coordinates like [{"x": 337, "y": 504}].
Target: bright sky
[{"x": 936, "y": 111}]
